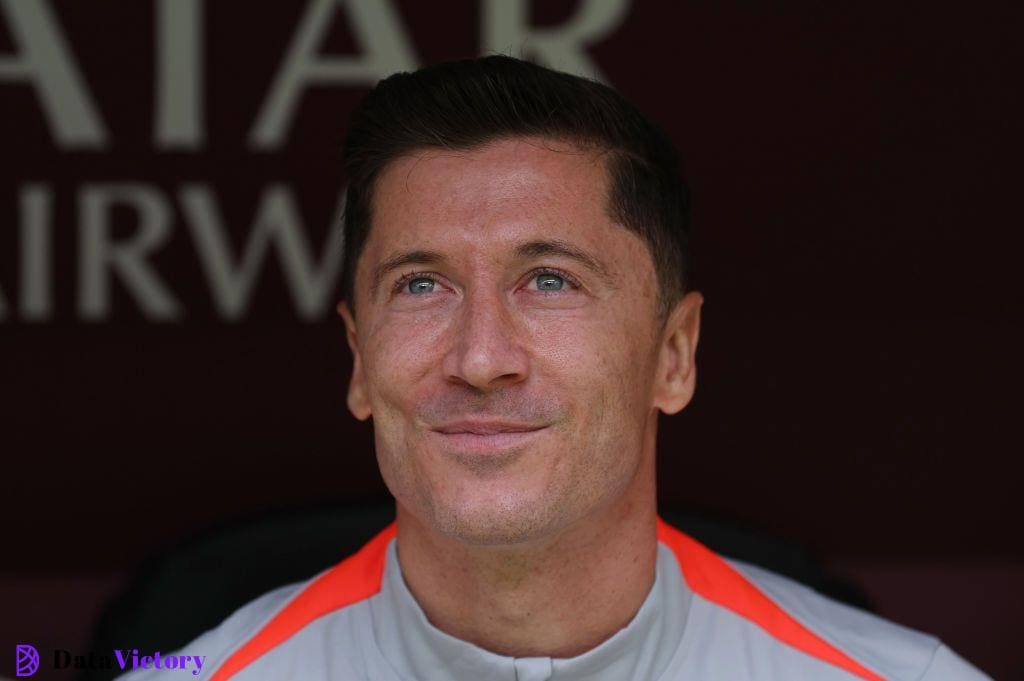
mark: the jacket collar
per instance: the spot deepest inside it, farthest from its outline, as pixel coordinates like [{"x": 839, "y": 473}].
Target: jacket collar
[{"x": 641, "y": 650}]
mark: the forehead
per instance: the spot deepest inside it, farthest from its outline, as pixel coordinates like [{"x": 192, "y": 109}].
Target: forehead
[{"x": 502, "y": 193}]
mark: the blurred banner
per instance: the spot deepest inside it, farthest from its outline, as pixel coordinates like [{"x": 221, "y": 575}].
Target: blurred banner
[{"x": 170, "y": 200}]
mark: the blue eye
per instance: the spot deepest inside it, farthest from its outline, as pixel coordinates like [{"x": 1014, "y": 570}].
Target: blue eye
[
  {"x": 549, "y": 282},
  {"x": 420, "y": 285}
]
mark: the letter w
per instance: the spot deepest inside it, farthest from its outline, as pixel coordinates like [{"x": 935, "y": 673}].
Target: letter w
[{"x": 278, "y": 224}]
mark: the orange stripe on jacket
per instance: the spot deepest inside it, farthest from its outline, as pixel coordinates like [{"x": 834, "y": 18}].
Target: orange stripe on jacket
[
  {"x": 717, "y": 581},
  {"x": 359, "y": 576},
  {"x": 354, "y": 579}
]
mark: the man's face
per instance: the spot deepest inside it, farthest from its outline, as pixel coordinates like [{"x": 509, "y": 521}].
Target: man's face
[{"x": 507, "y": 344}]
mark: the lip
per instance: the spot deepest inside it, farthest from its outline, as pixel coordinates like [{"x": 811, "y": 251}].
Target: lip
[
  {"x": 486, "y": 437},
  {"x": 477, "y": 427}
]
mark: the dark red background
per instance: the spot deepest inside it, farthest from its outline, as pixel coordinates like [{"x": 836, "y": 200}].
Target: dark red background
[{"x": 857, "y": 233}]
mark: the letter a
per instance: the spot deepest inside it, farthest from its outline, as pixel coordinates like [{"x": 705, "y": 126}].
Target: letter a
[
  {"x": 506, "y": 28},
  {"x": 44, "y": 60},
  {"x": 386, "y": 47}
]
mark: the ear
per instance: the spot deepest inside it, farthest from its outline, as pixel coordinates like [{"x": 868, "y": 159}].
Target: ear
[
  {"x": 677, "y": 370},
  {"x": 358, "y": 402}
]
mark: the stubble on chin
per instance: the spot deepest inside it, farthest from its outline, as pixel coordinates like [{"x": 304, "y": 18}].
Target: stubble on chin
[
  {"x": 503, "y": 520},
  {"x": 496, "y": 525}
]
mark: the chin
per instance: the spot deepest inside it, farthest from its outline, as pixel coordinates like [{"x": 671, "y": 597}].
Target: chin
[
  {"x": 513, "y": 501},
  {"x": 494, "y": 521}
]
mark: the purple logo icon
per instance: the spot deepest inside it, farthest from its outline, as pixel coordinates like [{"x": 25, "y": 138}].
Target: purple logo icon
[{"x": 27, "y": 662}]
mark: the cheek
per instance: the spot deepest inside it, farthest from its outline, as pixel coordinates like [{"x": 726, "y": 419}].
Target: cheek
[
  {"x": 603, "y": 382},
  {"x": 602, "y": 358},
  {"x": 398, "y": 354}
]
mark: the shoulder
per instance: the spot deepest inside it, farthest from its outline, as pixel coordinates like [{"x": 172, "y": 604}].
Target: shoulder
[
  {"x": 797, "y": 629},
  {"x": 892, "y": 650},
  {"x": 217, "y": 644},
  {"x": 281, "y": 627}
]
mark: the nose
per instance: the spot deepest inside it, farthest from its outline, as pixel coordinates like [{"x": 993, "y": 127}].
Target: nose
[{"x": 487, "y": 353}]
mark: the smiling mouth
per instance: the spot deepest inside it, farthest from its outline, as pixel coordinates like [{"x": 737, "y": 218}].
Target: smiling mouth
[{"x": 486, "y": 438}]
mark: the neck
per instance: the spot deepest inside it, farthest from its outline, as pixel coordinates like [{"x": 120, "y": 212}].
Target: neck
[{"x": 596, "y": 572}]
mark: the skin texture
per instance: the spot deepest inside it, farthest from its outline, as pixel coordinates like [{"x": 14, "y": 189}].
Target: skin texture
[{"x": 537, "y": 543}]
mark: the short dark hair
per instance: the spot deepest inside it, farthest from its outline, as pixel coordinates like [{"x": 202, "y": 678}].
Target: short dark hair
[{"x": 467, "y": 103}]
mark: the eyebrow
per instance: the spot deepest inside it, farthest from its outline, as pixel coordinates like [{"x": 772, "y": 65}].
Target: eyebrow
[{"x": 529, "y": 249}]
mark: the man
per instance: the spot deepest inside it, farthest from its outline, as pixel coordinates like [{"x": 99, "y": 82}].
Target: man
[{"x": 518, "y": 308}]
